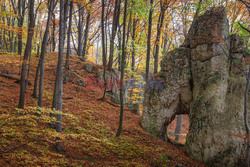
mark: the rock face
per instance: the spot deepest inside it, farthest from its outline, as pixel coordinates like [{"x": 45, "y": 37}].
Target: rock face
[
  {"x": 161, "y": 104},
  {"x": 203, "y": 79}
]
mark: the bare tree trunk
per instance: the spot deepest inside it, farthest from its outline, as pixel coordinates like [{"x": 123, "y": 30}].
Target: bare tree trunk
[
  {"x": 36, "y": 81},
  {"x": 43, "y": 52},
  {"x": 53, "y": 33},
  {"x": 59, "y": 76},
  {"x": 68, "y": 37},
  {"x": 27, "y": 53},
  {"x": 86, "y": 32},
  {"x": 133, "y": 44},
  {"x": 178, "y": 127},
  {"x": 149, "y": 39},
  {"x": 80, "y": 26},
  {"x": 4, "y": 31},
  {"x": 103, "y": 49},
  {"x": 119, "y": 48},
  {"x": 246, "y": 116},
  {"x": 12, "y": 35},
  {"x": 157, "y": 42},
  {"x": 122, "y": 70},
  {"x": 63, "y": 29},
  {"x": 113, "y": 34},
  {"x": 28, "y": 73},
  {"x": 97, "y": 52},
  {"x": 21, "y": 12}
]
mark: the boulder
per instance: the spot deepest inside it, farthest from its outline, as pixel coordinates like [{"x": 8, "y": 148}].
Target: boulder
[
  {"x": 89, "y": 68},
  {"x": 205, "y": 80}
]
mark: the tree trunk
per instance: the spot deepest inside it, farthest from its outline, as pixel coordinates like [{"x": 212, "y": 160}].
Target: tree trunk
[
  {"x": 246, "y": 116},
  {"x": 36, "y": 80},
  {"x": 43, "y": 52},
  {"x": 12, "y": 36},
  {"x": 113, "y": 34},
  {"x": 53, "y": 33},
  {"x": 27, "y": 53},
  {"x": 4, "y": 31},
  {"x": 80, "y": 13},
  {"x": 97, "y": 52},
  {"x": 157, "y": 42},
  {"x": 119, "y": 48},
  {"x": 28, "y": 73},
  {"x": 133, "y": 45},
  {"x": 149, "y": 38},
  {"x": 122, "y": 70},
  {"x": 63, "y": 29},
  {"x": 59, "y": 76},
  {"x": 68, "y": 36},
  {"x": 86, "y": 32},
  {"x": 178, "y": 127},
  {"x": 21, "y": 12},
  {"x": 103, "y": 49}
]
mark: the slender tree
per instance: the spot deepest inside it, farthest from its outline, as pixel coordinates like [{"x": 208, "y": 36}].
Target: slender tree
[
  {"x": 53, "y": 32},
  {"x": 149, "y": 38},
  {"x": 68, "y": 36},
  {"x": 113, "y": 33},
  {"x": 80, "y": 26},
  {"x": 43, "y": 52},
  {"x": 86, "y": 32},
  {"x": 122, "y": 70},
  {"x": 63, "y": 22},
  {"x": 27, "y": 53},
  {"x": 133, "y": 43},
  {"x": 246, "y": 117},
  {"x": 104, "y": 59},
  {"x": 21, "y": 13},
  {"x": 164, "y": 4},
  {"x": 59, "y": 76}
]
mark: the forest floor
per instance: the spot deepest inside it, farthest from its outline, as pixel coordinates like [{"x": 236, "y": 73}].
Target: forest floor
[{"x": 89, "y": 125}]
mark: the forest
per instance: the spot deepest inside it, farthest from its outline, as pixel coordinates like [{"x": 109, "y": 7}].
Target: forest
[{"x": 124, "y": 83}]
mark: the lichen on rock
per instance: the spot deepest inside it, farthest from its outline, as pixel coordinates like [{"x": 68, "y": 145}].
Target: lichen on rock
[{"x": 203, "y": 79}]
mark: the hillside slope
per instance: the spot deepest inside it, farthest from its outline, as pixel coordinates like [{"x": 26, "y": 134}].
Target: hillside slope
[{"x": 89, "y": 125}]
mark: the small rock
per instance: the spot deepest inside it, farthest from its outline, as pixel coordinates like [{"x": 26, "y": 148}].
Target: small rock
[{"x": 89, "y": 68}]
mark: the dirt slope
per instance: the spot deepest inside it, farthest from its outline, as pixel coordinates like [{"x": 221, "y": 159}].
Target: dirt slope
[{"x": 89, "y": 125}]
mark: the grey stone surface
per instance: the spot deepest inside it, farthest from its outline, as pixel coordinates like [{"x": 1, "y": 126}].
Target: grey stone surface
[
  {"x": 134, "y": 108},
  {"x": 202, "y": 80},
  {"x": 89, "y": 68}
]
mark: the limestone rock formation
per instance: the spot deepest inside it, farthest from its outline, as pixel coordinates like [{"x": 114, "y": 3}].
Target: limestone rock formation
[
  {"x": 205, "y": 80},
  {"x": 161, "y": 104}
]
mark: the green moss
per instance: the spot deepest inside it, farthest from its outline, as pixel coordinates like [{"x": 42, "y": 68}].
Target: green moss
[{"x": 162, "y": 160}]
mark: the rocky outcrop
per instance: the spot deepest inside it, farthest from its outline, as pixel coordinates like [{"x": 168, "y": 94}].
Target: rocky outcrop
[
  {"x": 89, "y": 67},
  {"x": 161, "y": 104},
  {"x": 203, "y": 79}
]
